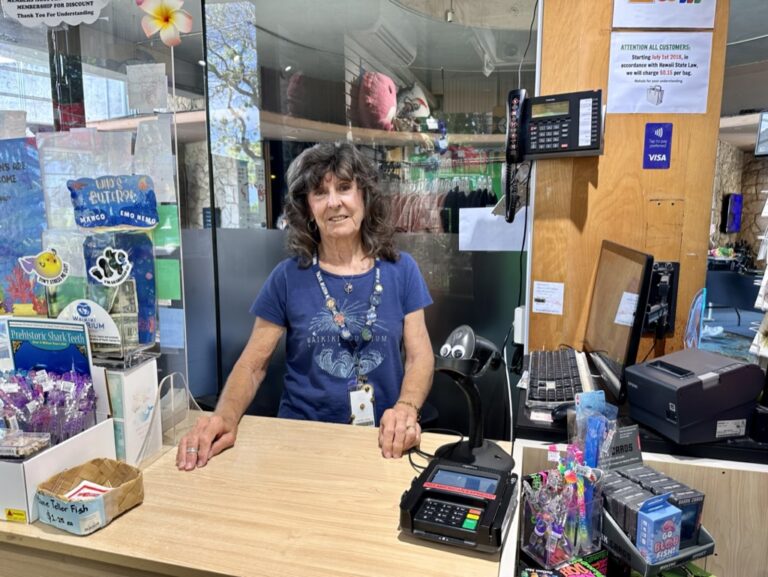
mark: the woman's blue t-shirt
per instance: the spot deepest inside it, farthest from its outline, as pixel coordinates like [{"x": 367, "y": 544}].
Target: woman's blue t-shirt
[{"x": 319, "y": 364}]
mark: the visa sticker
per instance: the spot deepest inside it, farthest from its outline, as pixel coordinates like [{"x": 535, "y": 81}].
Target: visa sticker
[{"x": 657, "y": 151}]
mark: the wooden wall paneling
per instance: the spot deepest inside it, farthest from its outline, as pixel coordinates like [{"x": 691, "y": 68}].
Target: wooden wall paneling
[
  {"x": 734, "y": 513},
  {"x": 580, "y": 202}
]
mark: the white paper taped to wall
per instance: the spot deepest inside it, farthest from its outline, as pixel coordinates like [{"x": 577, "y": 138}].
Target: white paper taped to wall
[{"x": 480, "y": 229}]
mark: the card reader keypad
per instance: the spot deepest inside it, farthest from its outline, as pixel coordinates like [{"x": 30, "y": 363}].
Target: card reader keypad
[{"x": 449, "y": 514}]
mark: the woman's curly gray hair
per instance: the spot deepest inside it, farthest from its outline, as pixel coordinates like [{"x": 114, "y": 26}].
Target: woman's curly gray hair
[{"x": 306, "y": 173}]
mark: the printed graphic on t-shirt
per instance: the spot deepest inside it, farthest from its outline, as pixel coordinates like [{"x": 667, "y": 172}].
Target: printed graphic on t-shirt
[{"x": 339, "y": 361}]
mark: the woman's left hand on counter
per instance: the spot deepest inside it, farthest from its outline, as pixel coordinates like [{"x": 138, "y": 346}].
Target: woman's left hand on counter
[
  {"x": 210, "y": 436},
  {"x": 399, "y": 431}
]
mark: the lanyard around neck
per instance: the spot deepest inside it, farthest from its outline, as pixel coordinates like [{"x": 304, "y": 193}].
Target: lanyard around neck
[{"x": 366, "y": 333}]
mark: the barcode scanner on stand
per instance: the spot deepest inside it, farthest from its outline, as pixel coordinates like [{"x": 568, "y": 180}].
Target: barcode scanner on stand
[
  {"x": 463, "y": 357},
  {"x": 466, "y": 495}
]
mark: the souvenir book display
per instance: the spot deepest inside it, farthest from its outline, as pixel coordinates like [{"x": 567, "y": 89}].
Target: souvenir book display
[{"x": 46, "y": 385}]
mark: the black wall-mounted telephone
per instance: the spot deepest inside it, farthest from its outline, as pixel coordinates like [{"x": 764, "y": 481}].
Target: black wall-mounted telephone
[
  {"x": 514, "y": 150},
  {"x": 544, "y": 127}
]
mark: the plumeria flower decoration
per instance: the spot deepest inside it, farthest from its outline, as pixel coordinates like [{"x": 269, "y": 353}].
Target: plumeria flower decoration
[{"x": 166, "y": 17}]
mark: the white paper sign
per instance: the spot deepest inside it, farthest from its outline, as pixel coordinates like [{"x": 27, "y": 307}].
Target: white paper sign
[
  {"x": 147, "y": 87},
  {"x": 32, "y": 13},
  {"x": 548, "y": 297},
  {"x": 664, "y": 13},
  {"x": 625, "y": 314},
  {"x": 659, "y": 72},
  {"x": 13, "y": 124},
  {"x": 480, "y": 229},
  {"x": 154, "y": 156}
]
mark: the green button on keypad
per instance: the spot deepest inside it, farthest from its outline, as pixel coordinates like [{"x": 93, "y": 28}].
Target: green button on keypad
[{"x": 469, "y": 524}]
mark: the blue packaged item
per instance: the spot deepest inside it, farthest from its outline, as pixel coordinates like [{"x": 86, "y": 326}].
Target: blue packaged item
[
  {"x": 125, "y": 202},
  {"x": 121, "y": 278},
  {"x": 658, "y": 529},
  {"x": 691, "y": 504}
]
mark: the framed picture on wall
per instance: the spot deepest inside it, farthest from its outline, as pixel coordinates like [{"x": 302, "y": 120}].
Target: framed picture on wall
[
  {"x": 761, "y": 148},
  {"x": 730, "y": 215}
]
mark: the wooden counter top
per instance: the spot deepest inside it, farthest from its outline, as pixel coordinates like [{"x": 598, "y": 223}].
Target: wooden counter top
[{"x": 291, "y": 499}]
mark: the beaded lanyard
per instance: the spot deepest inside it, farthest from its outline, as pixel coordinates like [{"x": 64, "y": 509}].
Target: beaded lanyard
[{"x": 338, "y": 317}]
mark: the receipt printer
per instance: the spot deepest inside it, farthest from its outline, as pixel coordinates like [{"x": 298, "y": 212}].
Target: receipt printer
[{"x": 694, "y": 396}]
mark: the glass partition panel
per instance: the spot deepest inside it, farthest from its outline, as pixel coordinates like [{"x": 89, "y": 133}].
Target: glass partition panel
[
  {"x": 108, "y": 112},
  {"x": 422, "y": 96}
]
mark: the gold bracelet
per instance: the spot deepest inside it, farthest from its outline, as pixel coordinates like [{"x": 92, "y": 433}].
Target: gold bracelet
[{"x": 412, "y": 405}]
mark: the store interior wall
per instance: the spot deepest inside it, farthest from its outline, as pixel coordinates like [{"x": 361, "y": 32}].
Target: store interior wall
[
  {"x": 740, "y": 172},
  {"x": 579, "y": 202},
  {"x": 729, "y": 169}
]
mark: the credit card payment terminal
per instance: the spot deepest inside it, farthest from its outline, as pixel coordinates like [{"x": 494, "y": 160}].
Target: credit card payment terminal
[{"x": 460, "y": 504}]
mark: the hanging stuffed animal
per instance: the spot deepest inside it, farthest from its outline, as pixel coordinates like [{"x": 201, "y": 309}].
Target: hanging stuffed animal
[
  {"x": 411, "y": 106},
  {"x": 412, "y": 103},
  {"x": 377, "y": 101}
]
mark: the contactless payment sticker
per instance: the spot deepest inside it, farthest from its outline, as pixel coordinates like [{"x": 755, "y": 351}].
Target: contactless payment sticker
[
  {"x": 46, "y": 266},
  {"x": 657, "y": 152}
]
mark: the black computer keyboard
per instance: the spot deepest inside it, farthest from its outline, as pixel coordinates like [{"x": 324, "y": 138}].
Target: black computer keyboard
[{"x": 554, "y": 377}]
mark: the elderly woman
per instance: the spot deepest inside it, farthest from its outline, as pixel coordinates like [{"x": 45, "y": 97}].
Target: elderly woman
[{"x": 348, "y": 301}]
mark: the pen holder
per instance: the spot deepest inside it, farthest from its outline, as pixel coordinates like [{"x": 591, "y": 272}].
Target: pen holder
[{"x": 554, "y": 533}]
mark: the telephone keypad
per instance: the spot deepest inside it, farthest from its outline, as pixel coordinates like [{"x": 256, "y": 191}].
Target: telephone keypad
[
  {"x": 550, "y": 135},
  {"x": 449, "y": 514}
]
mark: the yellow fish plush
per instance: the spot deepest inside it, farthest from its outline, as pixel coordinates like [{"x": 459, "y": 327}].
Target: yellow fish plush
[{"x": 46, "y": 264}]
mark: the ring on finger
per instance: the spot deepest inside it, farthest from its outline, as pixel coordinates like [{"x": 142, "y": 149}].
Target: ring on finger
[{"x": 191, "y": 450}]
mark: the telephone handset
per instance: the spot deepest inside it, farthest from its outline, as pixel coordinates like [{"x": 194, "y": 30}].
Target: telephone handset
[
  {"x": 514, "y": 149},
  {"x": 515, "y": 107}
]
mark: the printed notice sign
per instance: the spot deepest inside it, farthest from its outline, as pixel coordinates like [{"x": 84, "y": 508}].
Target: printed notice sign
[
  {"x": 32, "y": 13},
  {"x": 664, "y": 13},
  {"x": 548, "y": 297},
  {"x": 657, "y": 151},
  {"x": 659, "y": 72},
  {"x": 625, "y": 315},
  {"x": 625, "y": 448}
]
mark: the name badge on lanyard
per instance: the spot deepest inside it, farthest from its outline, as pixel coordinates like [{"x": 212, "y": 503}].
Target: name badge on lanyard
[{"x": 361, "y": 402}]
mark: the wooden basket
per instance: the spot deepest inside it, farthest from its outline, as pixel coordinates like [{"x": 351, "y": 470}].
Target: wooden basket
[{"x": 84, "y": 517}]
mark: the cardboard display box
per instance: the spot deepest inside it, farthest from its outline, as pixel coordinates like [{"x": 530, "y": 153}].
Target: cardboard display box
[
  {"x": 19, "y": 480},
  {"x": 136, "y": 416}
]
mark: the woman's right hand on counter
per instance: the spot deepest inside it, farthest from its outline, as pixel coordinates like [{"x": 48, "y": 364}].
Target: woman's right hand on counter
[{"x": 210, "y": 436}]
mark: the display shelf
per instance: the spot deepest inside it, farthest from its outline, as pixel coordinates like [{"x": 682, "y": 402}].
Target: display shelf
[
  {"x": 616, "y": 541},
  {"x": 277, "y": 126},
  {"x": 190, "y": 126}
]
